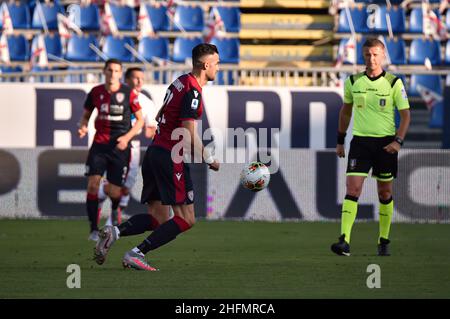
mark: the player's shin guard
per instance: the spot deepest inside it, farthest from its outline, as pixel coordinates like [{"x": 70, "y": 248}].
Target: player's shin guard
[
  {"x": 386, "y": 212},
  {"x": 92, "y": 210},
  {"x": 349, "y": 211},
  {"x": 164, "y": 234},
  {"x": 138, "y": 224}
]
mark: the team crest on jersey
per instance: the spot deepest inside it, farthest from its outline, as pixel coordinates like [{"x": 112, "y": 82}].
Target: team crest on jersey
[
  {"x": 382, "y": 102},
  {"x": 194, "y": 104},
  {"x": 119, "y": 97},
  {"x": 404, "y": 95}
]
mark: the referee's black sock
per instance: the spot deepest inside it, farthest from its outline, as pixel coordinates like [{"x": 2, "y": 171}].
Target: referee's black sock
[
  {"x": 92, "y": 210},
  {"x": 164, "y": 234},
  {"x": 138, "y": 224}
]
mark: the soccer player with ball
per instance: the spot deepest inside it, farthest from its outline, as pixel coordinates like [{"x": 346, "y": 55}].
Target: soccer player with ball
[{"x": 167, "y": 180}]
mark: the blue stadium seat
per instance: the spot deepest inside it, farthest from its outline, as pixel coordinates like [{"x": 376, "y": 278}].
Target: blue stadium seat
[
  {"x": 182, "y": 48},
  {"x": 158, "y": 17},
  {"x": 397, "y": 50},
  {"x": 20, "y": 15},
  {"x": 49, "y": 13},
  {"x": 231, "y": 17},
  {"x": 19, "y": 49},
  {"x": 114, "y": 48},
  {"x": 52, "y": 45},
  {"x": 228, "y": 49},
  {"x": 41, "y": 78},
  {"x": 78, "y": 48},
  {"x": 89, "y": 18},
  {"x": 429, "y": 81},
  {"x": 447, "y": 53},
  {"x": 359, "y": 51},
  {"x": 416, "y": 20},
  {"x": 190, "y": 18},
  {"x": 154, "y": 47},
  {"x": 447, "y": 15},
  {"x": 396, "y": 15},
  {"x": 11, "y": 69},
  {"x": 359, "y": 18},
  {"x": 420, "y": 49},
  {"x": 124, "y": 16}
]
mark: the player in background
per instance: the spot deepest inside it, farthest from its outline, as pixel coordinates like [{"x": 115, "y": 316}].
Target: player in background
[
  {"x": 372, "y": 97},
  {"x": 110, "y": 150},
  {"x": 166, "y": 176},
  {"x": 134, "y": 78}
]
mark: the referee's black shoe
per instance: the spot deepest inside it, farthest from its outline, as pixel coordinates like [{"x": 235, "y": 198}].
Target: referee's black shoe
[
  {"x": 341, "y": 248},
  {"x": 383, "y": 247}
]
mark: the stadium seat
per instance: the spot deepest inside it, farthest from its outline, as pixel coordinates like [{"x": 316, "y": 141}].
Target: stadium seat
[
  {"x": 158, "y": 17},
  {"x": 447, "y": 15},
  {"x": 359, "y": 52},
  {"x": 182, "y": 48},
  {"x": 359, "y": 18},
  {"x": 397, "y": 50},
  {"x": 447, "y": 53},
  {"x": 231, "y": 17},
  {"x": 11, "y": 69},
  {"x": 89, "y": 18},
  {"x": 124, "y": 16},
  {"x": 416, "y": 20},
  {"x": 48, "y": 12},
  {"x": 420, "y": 49},
  {"x": 19, "y": 49},
  {"x": 228, "y": 49},
  {"x": 429, "y": 81},
  {"x": 20, "y": 15},
  {"x": 190, "y": 18},
  {"x": 396, "y": 15},
  {"x": 114, "y": 48},
  {"x": 78, "y": 48},
  {"x": 41, "y": 78},
  {"x": 52, "y": 45},
  {"x": 149, "y": 48}
]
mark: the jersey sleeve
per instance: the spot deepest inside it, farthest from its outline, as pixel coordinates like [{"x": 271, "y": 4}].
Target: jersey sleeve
[
  {"x": 134, "y": 102},
  {"x": 348, "y": 96},
  {"x": 89, "y": 103},
  {"x": 190, "y": 105},
  {"x": 400, "y": 96}
]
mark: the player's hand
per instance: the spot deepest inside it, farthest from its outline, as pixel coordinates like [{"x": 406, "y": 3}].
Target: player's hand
[
  {"x": 122, "y": 143},
  {"x": 214, "y": 165},
  {"x": 340, "y": 150},
  {"x": 392, "y": 147},
  {"x": 82, "y": 131}
]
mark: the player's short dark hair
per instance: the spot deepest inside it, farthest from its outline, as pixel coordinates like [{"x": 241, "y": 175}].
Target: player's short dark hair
[
  {"x": 112, "y": 61},
  {"x": 201, "y": 50},
  {"x": 373, "y": 42},
  {"x": 130, "y": 71}
]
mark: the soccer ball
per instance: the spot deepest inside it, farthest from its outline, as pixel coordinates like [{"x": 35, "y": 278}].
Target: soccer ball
[{"x": 255, "y": 176}]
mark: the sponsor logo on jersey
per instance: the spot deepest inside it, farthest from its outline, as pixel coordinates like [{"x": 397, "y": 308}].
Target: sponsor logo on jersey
[
  {"x": 382, "y": 102},
  {"x": 352, "y": 164},
  {"x": 104, "y": 108},
  {"x": 404, "y": 95},
  {"x": 119, "y": 97},
  {"x": 194, "y": 104},
  {"x": 116, "y": 109},
  {"x": 178, "y": 175},
  {"x": 178, "y": 85},
  {"x": 195, "y": 93}
]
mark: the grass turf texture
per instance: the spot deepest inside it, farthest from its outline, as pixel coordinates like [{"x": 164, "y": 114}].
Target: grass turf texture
[{"x": 227, "y": 259}]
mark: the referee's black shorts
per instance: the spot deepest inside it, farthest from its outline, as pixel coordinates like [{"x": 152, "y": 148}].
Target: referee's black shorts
[
  {"x": 367, "y": 153},
  {"x": 165, "y": 180},
  {"x": 105, "y": 157}
]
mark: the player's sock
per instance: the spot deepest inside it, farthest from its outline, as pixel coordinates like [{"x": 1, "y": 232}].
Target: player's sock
[
  {"x": 115, "y": 211},
  {"x": 124, "y": 199},
  {"x": 386, "y": 211},
  {"x": 92, "y": 210},
  {"x": 164, "y": 234},
  {"x": 101, "y": 192},
  {"x": 349, "y": 210},
  {"x": 138, "y": 224}
]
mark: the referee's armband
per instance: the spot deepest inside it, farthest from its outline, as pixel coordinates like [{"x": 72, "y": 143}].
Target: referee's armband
[{"x": 341, "y": 138}]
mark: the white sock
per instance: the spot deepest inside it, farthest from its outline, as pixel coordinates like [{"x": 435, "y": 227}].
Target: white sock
[
  {"x": 117, "y": 231},
  {"x": 124, "y": 200},
  {"x": 101, "y": 191}
]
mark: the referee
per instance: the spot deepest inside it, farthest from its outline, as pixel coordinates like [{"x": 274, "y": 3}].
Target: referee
[{"x": 372, "y": 96}]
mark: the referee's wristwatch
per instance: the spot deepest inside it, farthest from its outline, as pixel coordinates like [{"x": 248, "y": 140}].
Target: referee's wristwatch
[{"x": 399, "y": 140}]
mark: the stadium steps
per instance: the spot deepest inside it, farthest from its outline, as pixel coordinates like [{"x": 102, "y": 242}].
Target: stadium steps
[
  {"x": 286, "y": 53},
  {"x": 310, "y": 4}
]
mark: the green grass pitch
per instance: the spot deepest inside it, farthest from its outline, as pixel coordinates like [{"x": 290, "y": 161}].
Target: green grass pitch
[{"x": 227, "y": 259}]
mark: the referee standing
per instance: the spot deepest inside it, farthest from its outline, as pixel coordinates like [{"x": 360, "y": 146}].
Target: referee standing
[{"x": 372, "y": 97}]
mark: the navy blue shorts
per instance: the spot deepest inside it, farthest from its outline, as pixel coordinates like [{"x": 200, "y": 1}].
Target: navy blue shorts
[
  {"x": 107, "y": 158},
  {"x": 165, "y": 180}
]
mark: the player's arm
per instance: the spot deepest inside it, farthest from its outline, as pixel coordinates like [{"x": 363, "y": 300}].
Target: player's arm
[
  {"x": 150, "y": 131},
  {"x": 122, "y": 141},
  {"x": 83, "y": 123},
  {"x": 197, "y": 147},
  {"x": 345, "y": 115}
]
